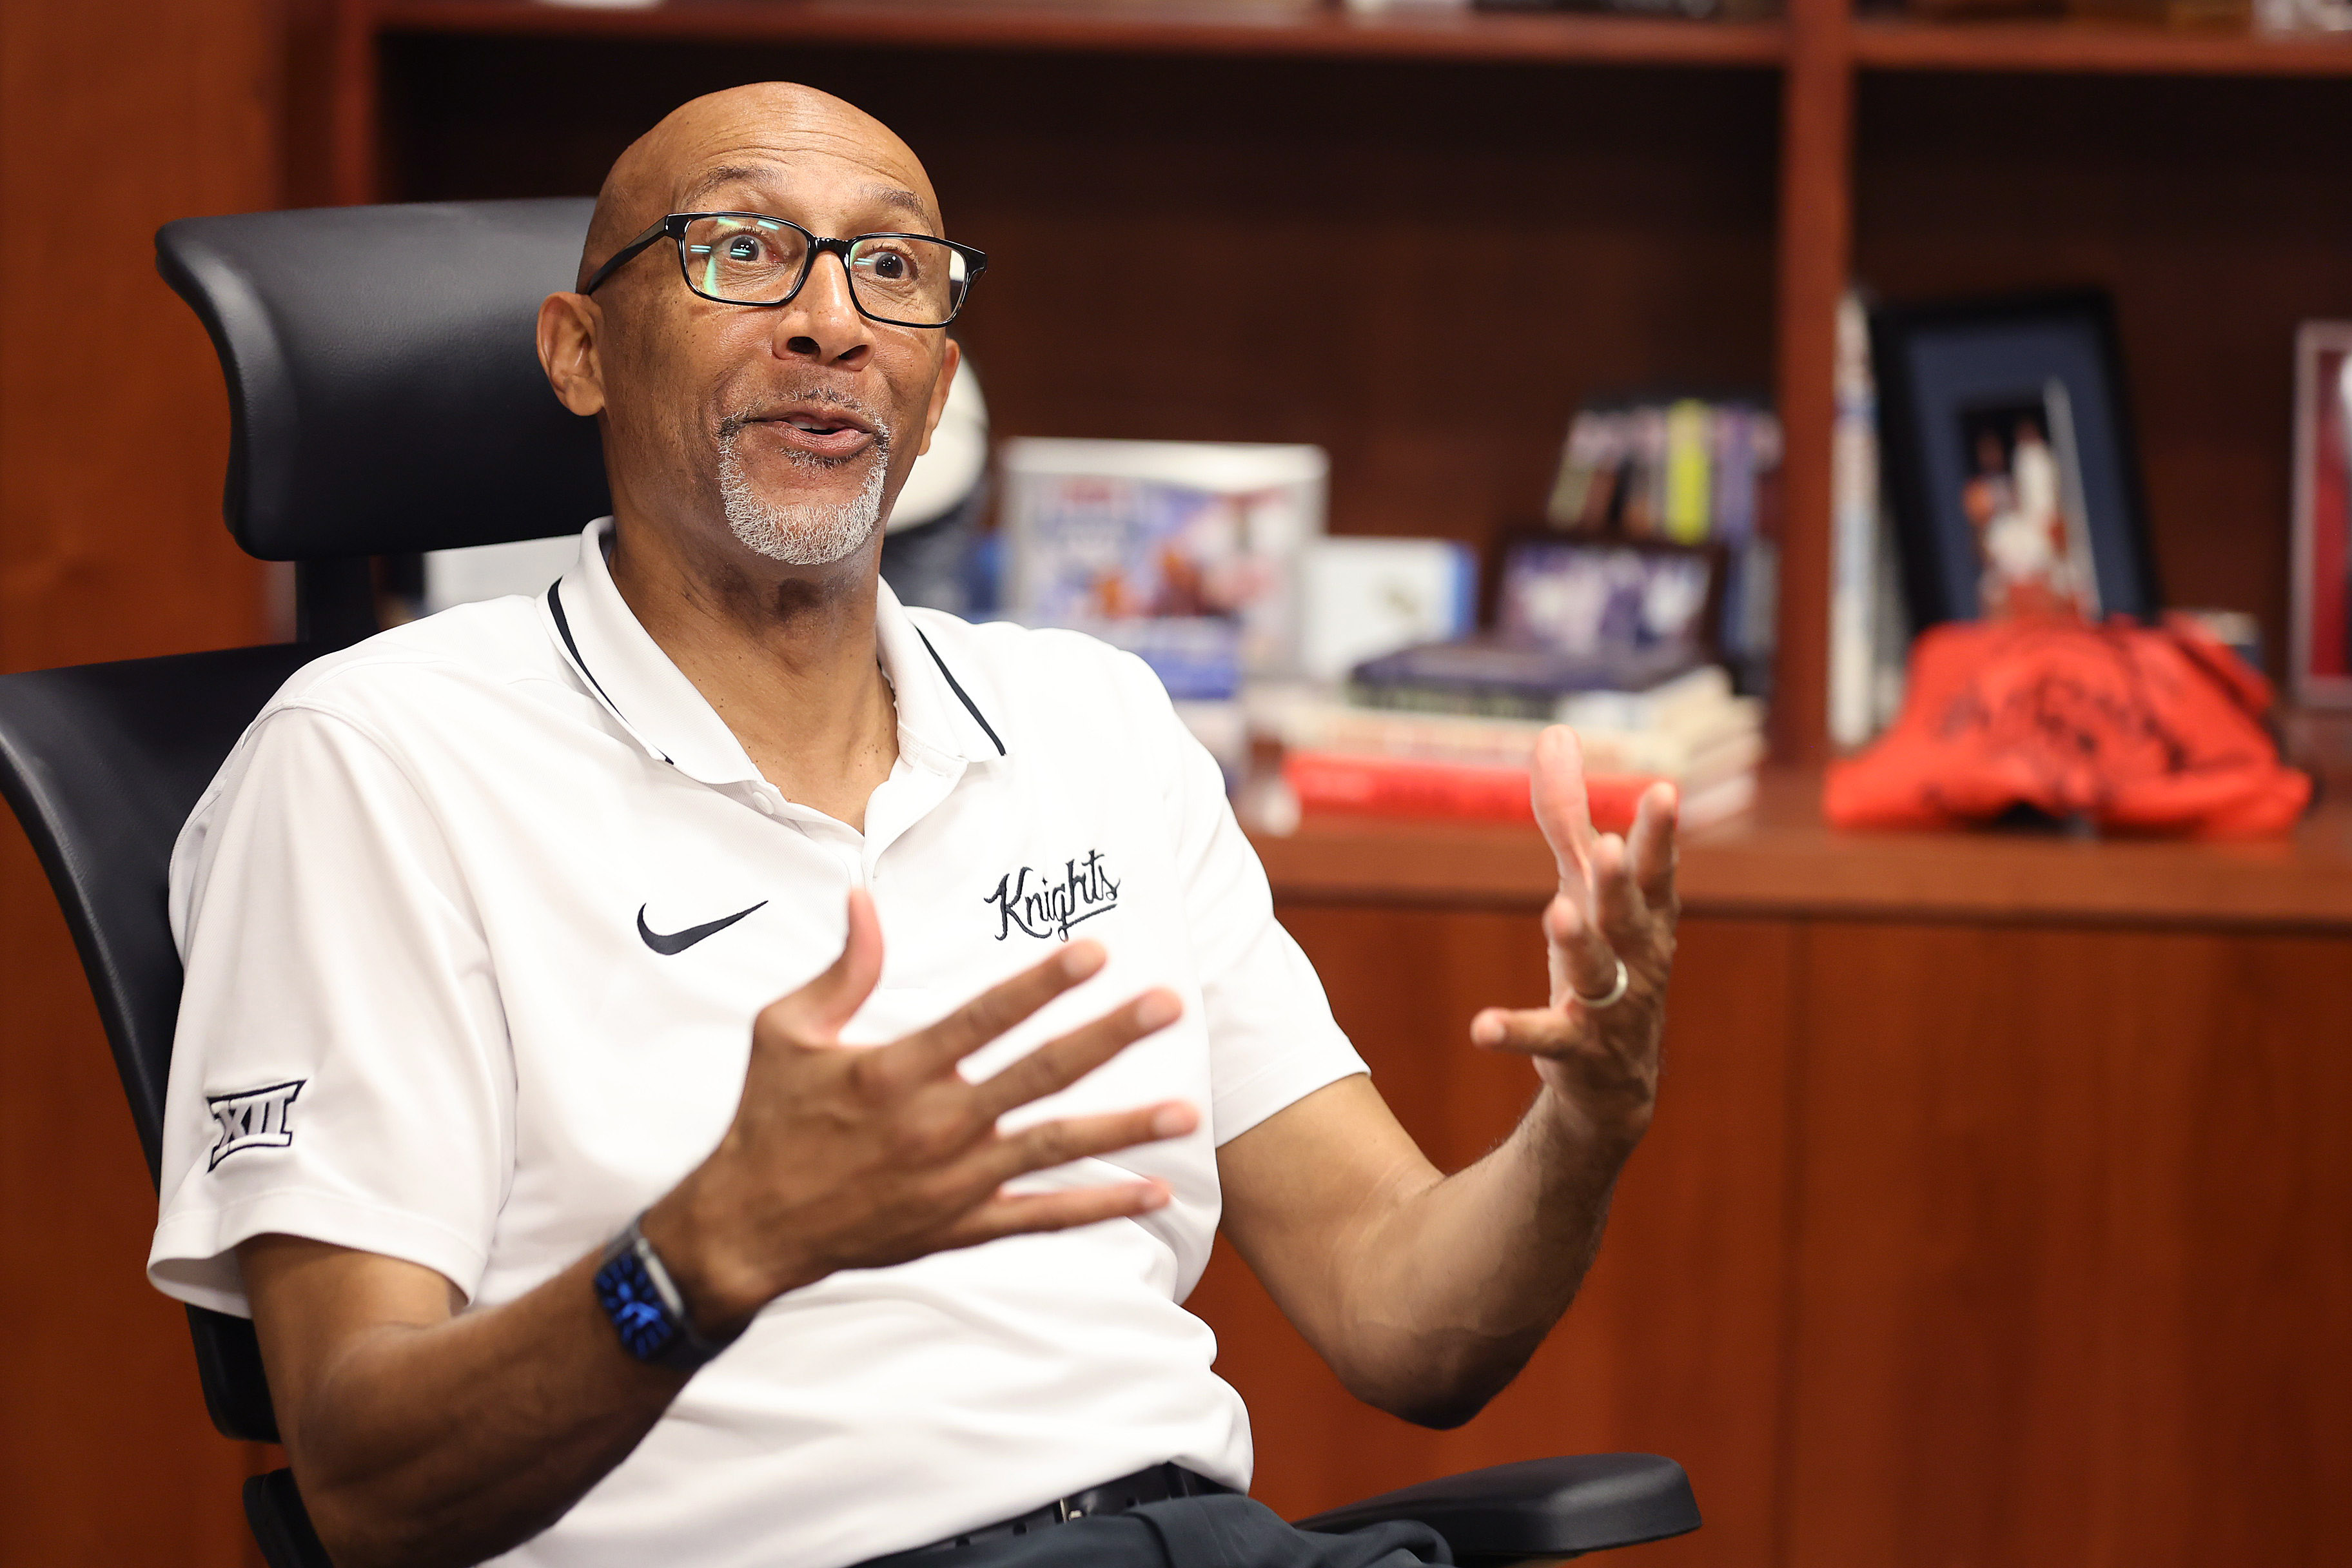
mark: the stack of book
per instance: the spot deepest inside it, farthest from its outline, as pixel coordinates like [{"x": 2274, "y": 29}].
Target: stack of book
[
  {"x": 1690, "y": 471},
  {"x": 1449, "y": 731}
]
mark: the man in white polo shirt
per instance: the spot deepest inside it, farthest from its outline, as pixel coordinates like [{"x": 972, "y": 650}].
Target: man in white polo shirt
[{"x": 709, "y": 1067}]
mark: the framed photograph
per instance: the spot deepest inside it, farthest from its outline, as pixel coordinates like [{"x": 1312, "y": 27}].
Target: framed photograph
[
  {"x": 2009, "y": 460},
  {"x": 1611, "y": 599},
  {"x": 2321, "y": 656}
]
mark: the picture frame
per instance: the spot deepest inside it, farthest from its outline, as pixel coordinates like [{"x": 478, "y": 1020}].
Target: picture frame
[
  {"x": 2010, "y": 464},
  {"x": 1608, "y": 598},
  {"x": 2320, "y": 647}
]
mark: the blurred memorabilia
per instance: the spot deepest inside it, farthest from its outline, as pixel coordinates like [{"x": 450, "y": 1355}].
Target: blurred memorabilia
[
  {"x": 1600, "y": 601},
  {"x": 1360, "y": 598},
  {"x": 2117, "y": 729},
  {"x": 1182, "y": 552},
  {"x": 928, "y": 541},
  {"x": 2009, "y": 459},
  {"x": 1692, "y": 471},
  {"x": 2236, "y": 630},
  {"x": 2302, "y": 16},
  {"x": 2321, "y": 657}
]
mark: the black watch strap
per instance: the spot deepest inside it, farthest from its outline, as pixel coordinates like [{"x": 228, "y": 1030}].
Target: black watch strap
[{"x": 646, "y": 1310}]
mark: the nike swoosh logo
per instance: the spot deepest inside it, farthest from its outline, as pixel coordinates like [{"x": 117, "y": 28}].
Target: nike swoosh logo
[{"x": 676, "y": 942}]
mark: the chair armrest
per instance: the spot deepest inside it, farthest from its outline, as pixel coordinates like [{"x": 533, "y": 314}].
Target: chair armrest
[
  {"x": 1537, "y": 1508},
  {"x": 280, "y": 1525}
]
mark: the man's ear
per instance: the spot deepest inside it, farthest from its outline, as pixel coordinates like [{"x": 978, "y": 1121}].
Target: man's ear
[
  {"x": 939, "y": 388},
  {"x": 567, "y": 351}
]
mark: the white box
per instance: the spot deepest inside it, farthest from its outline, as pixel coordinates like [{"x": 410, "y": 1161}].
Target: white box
[{"x": 1183, "y": 551}]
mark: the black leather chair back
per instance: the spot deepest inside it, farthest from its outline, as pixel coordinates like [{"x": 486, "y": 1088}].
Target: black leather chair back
[
  {"x": 384, "y": 379},
  {"x": 103, "y": 764},
  {"x": 386, "y": 396}
]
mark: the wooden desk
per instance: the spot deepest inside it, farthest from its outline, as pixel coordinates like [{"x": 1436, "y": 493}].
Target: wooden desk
[{"x": 1995, "y": 1212}]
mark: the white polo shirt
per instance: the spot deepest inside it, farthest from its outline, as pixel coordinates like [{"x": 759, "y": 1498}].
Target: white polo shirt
[{"x": 477, "y": 917}]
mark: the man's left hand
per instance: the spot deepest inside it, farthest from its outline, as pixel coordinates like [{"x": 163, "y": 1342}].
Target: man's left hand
[{"x": 1598, "y": 1056}]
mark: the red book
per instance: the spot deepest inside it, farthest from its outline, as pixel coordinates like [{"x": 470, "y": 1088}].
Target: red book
[{"x": 1406, "y": 786}]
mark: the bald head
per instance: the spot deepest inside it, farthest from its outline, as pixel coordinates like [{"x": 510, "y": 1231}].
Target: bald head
[
  {"x": 744, "y": 135},
  {"x": 750, "y": 440}
]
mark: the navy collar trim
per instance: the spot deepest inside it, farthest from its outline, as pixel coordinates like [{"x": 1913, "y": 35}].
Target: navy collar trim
[
  {"x": 563, "y": 629},
  {"x": 953, "y": 685}
]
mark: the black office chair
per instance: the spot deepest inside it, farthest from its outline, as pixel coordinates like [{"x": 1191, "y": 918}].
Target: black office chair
[{"x": 385, "y": 398}]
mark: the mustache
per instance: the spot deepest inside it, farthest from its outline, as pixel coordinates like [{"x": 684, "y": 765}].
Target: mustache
[{"x": 732, "y": 425}]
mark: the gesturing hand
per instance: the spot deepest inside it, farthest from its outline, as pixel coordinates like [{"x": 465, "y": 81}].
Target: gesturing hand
[
  {"x": 858, "y": 1157},
  {"x": 1616, "y": 905}
]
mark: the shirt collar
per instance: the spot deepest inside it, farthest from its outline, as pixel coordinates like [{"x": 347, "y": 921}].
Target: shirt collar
[{"x": 600, "y": 637}]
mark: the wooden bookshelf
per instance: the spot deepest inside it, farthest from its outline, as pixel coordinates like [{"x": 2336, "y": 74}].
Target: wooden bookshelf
[
  {"x": 1998, "y": 1189},
  {"x": 1994, "y": 1211},
  {"x": 1782, "y": 860},
  {"x": 1795, "y": 172},
  {"x": 1300, "y": 28},
  {"x": 1890, "y": 44}
]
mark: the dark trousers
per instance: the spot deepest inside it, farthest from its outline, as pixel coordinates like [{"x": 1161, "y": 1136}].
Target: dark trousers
[{"x": 1230, "y": 1531}]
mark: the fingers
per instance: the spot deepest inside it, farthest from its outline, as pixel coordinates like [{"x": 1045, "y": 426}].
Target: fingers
[
  {"x": 1029, "y": 1213},
  {"x": 928, "y": 1053},
  {"x": 1525, "y": 1031},
  {"x": 1620, "y": 911},
  {"x": 1582, "y": 962},
  {"x": 1556, "y": 784},
  {"x": 1651, "y": 848},
  {"x": 817, "y": 1011},
  {"x": 1059, "y": 1063},
  {"x": 1051, "y": 1143}
]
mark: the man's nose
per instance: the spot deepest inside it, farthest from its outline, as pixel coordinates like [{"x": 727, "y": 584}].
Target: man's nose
[{"x": 822, "y": 322}]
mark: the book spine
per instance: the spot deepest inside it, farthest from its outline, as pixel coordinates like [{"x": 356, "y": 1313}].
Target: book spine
[
  {"x": 1689, "y": 442},
  {"x": 1484, "y": 703},
  {"x": 1854, "y": 531},
  {"x": 1393, "y": 786}
]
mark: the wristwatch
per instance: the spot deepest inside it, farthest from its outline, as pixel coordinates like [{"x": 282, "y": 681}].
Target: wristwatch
[{"x": 647, "y": 1311}]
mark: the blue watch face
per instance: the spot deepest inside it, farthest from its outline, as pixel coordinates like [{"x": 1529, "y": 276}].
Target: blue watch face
[{"x": 634, "y": 1307}]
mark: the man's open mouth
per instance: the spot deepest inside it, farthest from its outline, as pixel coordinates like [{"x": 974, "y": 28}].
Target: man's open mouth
[
  {"x": 818, "y": 430},
  {"x": 817, "y": 427}
]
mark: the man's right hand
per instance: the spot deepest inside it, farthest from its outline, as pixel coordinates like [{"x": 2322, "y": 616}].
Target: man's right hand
[{"x": 859, "y": 1157}]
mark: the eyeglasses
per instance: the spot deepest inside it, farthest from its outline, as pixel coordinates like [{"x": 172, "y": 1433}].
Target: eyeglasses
[{"x": 751, "y": 259}]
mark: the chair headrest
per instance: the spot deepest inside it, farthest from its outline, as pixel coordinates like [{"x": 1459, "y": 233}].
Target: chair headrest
[{"x": 385, "y": 389}]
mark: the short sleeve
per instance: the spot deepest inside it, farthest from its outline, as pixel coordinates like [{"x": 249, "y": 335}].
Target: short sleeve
[
  {"x": 1272, "y": 1038},
  {"x": 341, "y": 1070}
]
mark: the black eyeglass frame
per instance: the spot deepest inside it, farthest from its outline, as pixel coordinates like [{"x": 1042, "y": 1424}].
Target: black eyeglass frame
[{"x": 674, "y": 226}]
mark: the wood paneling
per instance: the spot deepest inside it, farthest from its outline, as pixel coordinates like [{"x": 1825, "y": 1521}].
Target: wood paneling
[
  {"x": 1420, "y": 268},
  {"x": 1673, "y": 1346},
  {"x": 112, "y": 433},
  {"x": 2073, "y": 1279},
  {"x": 2212, "y": 209}
]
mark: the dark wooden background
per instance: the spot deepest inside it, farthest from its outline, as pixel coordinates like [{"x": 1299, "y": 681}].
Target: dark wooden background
[
  {"x": 113, "y": 120},
  {"x": 1965, "y": 1236}
]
